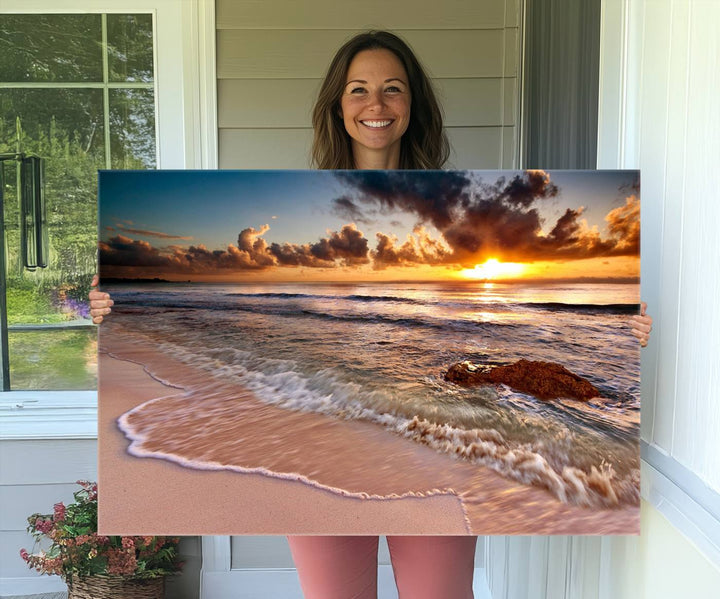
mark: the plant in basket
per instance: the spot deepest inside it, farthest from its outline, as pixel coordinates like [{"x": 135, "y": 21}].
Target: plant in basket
[{"x": 67, "y": 544}]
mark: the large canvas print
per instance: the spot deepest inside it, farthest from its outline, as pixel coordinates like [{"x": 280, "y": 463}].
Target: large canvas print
[{"x": 369, "y": 352}]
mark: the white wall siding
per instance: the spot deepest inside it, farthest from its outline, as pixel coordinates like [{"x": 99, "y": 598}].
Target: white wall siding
[
  {"x": 34, "y": 475},
  {"x": 271, "y": 60},
  {"x": 330, "y": 14},
  {"x": 697, "y": 410},
  {"x": 674, "y": 81}
]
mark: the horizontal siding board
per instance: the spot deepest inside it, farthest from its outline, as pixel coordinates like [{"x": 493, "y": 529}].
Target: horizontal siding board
[
  {"x": 11, "y": 564},
  {"x": 38, "y": 462},
  {"x": 19, "y": 501},
  {"x": 261, "y": 103},
  {"x": 375, "y": 14},
  {"x": 475, "y": 147},
  {"x": 265, "y": 148},
  {"x": 471, "y": 102},
  {"x": 472, "y": 147},
  {"x": 252, "y": 54},
  {"x": 287, "y": 103}
]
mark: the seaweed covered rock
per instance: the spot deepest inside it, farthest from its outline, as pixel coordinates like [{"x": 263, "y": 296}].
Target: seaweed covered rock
[{"x": 544, "y": 380}]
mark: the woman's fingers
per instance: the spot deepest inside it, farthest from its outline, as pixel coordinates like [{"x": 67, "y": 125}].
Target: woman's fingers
[
  {"x": 641, "y": 325},
  {"x": 100, "y": 302}
]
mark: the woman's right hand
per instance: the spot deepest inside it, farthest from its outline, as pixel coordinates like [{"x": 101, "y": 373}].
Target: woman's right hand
[{"x": 99, "y": 302}]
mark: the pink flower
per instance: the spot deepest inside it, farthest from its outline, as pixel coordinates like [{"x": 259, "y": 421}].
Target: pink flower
[
  {"x": 44, "y": 526},
  {"x": 128, "y": 543},
  {"x": 121, "y": 562},
  {"x": 59, "y": 509},
  {"x": 24, "y": 555}
]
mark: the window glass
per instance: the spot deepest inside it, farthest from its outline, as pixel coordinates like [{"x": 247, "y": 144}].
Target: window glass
[
  {"x": 132, "y": 128},
  {"x": 37, "y": 48},
  {"x": 76, "y": 129},
  {"x": 130, "y": 47}
]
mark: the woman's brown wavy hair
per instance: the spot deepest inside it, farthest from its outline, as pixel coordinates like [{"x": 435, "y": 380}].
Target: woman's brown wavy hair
[{"x": 424, "y": 145}]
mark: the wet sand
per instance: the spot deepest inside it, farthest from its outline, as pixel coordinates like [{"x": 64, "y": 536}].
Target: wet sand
[{"x": 271, "y": 471}]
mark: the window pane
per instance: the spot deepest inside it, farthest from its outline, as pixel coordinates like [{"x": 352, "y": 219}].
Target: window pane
[
  {"x": 65, "y": 128},
  {"x": 52, "y": 345},
  {"x": 132, "y": 128},
  {"x": 75, "y": 117},
  {"x": 50, "y": 48},
  {"x": 130, "y": 47},
  {"x": 53, "y": 359}
]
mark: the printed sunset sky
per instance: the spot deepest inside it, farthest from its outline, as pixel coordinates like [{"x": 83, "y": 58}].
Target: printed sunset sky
[{"x": 246, "y": 226}]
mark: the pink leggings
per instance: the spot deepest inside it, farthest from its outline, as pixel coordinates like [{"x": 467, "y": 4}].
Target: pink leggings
[{"x": 336, "y": 567}]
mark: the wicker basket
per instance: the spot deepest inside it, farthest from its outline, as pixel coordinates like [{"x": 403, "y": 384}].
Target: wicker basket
[{"x": 116, "y": 587}]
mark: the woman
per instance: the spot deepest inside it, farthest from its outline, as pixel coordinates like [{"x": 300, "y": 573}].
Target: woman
[{"x": 377, "y": 110}]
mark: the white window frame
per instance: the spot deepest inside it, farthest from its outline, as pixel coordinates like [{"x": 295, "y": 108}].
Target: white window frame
[{"x": 186, "y": 132}]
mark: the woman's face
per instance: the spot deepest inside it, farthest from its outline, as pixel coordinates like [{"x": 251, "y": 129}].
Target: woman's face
[{"x": 375, "y": 104}]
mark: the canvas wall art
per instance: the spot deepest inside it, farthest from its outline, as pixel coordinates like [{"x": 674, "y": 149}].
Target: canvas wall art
[{"x": 369, "y": 352}]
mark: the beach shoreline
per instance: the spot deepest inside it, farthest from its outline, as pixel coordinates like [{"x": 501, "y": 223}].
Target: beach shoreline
[{"x": 141, "y": 495}]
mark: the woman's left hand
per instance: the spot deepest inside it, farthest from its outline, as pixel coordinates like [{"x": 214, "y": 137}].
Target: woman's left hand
[{"x": 641, "y": 325}]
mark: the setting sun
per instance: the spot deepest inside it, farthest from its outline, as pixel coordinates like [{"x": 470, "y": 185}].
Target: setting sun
[{"x": 494, "y": 269}]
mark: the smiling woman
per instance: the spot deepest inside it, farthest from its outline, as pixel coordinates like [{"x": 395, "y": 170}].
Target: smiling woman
[
  {"x": 387, "y": 79},
  {"x": 375, "y": 107}
]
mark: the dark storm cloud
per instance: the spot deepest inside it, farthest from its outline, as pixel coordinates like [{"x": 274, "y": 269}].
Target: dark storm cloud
[
  {"x": 347, "y": 247},
  {"x": 523, "y": 190},
  {"x": 479, "y": 220},
  {"x": 121, "y": 251},
  {"x": 432, "y": 196}
]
